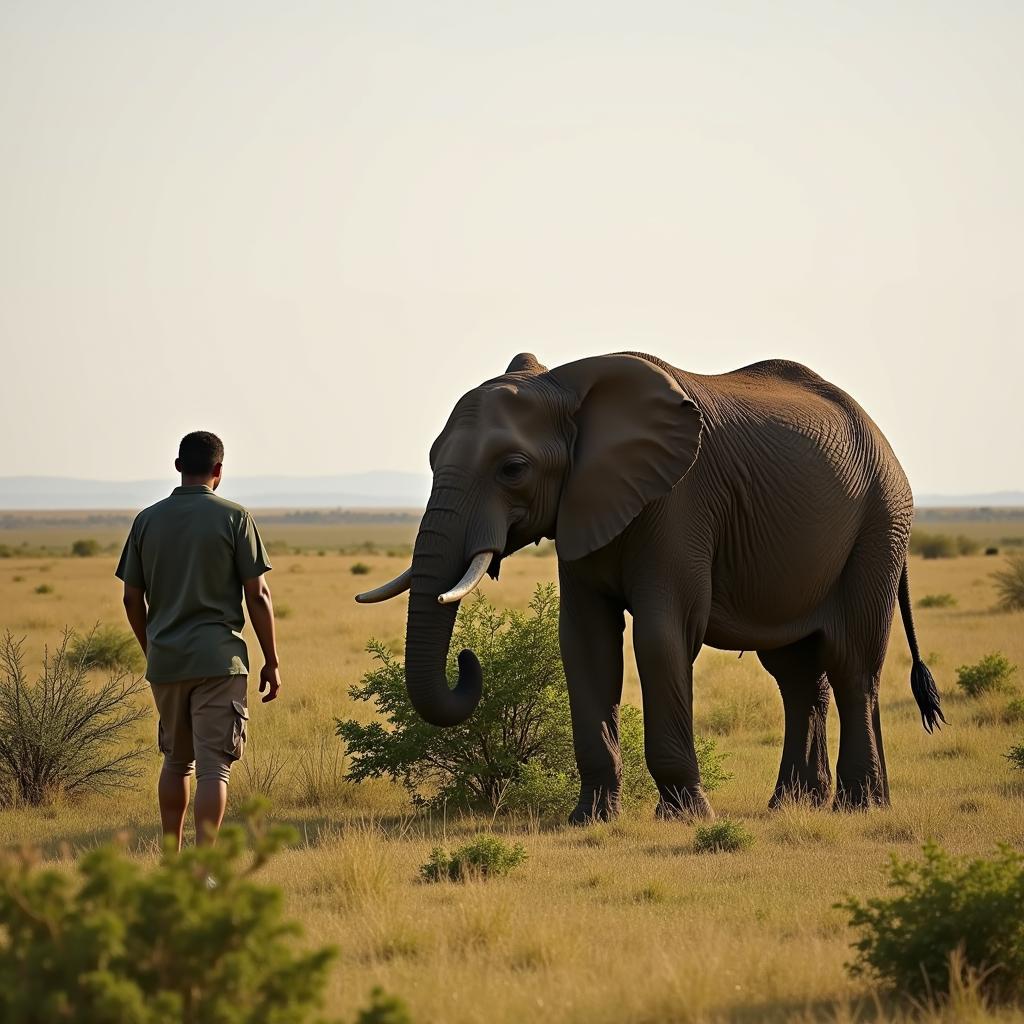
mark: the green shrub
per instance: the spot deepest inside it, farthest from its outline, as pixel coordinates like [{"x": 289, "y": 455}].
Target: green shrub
[
  {"x": 384, "y": 1009},
  {"x": 17, "y": 579},
  {"x": 85, "y": 548},
  {"x": 722, "y": 836},
  {"x": 523, "y": 715},
  {"x": 119, "y": 943},
  {"x": 1014, "y": 711},
  {"x": 945, "y": 907},
  {"x": 991, "y": 673},
  {"x": 932, "y": 545},
  {"x": 941, "y": 545},
  {"x": 992, "y": 551},
  {"x": 516, "y": 750},
  {"x": 937, "y": 601},
  {"x": 637, "y": 785},
  {"x": 1015, "y": 755},
  {"x": 60, "y": 734},
  {"x": 44, "y": 588},
  {"x": 359, "y": 569},
  {"x": 108, "y": 647},
  {"x": 539, "y": 790},
  {"x": 1010, "y": 584},
  {"x": 967, "y": 546},
  {"x": 282, "y": 610},
  {"x": 485, "y": 857}
]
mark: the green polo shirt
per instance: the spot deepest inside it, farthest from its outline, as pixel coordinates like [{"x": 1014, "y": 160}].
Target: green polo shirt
[{"x": 191, "y": 553}]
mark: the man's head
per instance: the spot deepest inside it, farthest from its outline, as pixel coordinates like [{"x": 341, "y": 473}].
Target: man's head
[{"x": 200, "y": 458}]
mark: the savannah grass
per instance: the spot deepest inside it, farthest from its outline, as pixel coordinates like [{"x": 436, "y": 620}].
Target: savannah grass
[{"x": 617, "y": 923}]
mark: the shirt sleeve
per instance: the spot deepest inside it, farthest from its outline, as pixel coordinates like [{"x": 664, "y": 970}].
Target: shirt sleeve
[
  {"x": 250, "y": 554},
  {"x": 129, "y": 568}
]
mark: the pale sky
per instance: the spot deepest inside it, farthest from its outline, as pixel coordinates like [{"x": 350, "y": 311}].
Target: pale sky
[{"x": 312, "y": 226}]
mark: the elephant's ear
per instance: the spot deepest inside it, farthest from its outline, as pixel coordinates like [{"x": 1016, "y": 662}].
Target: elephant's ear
[
  {"x": 637, "y": 435},
  {"x": 525, "y": 362}
]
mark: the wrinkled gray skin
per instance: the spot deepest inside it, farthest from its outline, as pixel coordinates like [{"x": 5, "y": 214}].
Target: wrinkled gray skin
[{"x": 754, "y": 510}]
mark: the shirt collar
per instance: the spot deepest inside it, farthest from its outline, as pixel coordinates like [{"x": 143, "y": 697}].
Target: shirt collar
[{"x": 193, "y": 489}]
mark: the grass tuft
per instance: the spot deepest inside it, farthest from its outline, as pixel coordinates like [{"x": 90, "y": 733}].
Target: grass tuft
[
  {"x": 486, "y": 856},
  {"x": 723, "y": 836}
]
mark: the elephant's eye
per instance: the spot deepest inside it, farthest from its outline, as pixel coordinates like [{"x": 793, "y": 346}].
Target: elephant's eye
[{"x": 513, "y": 470}]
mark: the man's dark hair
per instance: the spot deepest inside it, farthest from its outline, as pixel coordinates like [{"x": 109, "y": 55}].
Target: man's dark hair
[{"x": 199, "y": 452}]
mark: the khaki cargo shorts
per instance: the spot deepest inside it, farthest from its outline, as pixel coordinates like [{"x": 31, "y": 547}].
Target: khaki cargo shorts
[{"x": 202, "y": 724}]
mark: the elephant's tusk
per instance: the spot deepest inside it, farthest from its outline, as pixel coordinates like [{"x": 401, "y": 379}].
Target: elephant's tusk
[
  {"x": 399, "y": 585},
  {"x": 469, "y": 582}
]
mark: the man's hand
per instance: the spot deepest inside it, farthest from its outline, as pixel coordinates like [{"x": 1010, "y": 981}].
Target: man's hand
[{"x": 270, "y": 680}]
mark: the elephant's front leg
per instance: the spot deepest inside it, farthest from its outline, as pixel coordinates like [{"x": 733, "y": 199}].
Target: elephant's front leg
[
  {"x": 590, "y": 631},
  {"x": 666, "y": 642}
]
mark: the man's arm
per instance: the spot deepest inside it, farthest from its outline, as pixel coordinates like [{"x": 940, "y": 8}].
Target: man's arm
[
  {"x": 261, "y": 615},
  {"x": 135, "y": 609}
]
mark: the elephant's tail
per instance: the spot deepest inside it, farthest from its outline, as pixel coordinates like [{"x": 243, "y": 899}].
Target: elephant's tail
[{"x": 921, "y": 682}]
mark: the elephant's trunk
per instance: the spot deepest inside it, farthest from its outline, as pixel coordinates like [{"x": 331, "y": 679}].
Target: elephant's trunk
[
  {"x": 441, "y": 558},
  {"x": 426, "y": 653}
]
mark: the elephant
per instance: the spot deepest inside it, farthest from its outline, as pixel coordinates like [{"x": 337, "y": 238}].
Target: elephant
[{"x": 755, "y": 510}]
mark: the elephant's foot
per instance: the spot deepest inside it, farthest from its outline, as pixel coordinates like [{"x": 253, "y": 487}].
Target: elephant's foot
[
  {"x": 682, "y": 803},
  {"x": 860, "y": 793},
  {"x": 596, "y": 803},
  {"x": 802, "y": 786}
]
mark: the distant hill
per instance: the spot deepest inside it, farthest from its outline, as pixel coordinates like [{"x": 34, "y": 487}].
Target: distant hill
[
  {"x": 996, "y": 499},
  {"x": 349, "y": 490}
]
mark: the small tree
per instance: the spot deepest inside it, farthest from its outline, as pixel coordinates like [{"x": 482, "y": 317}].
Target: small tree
[
  {"x": 1010, "y": 584},
  {"x": 522, "y": 717},
  {"x": 59, "y": 734},
  {"x": 123, "y": 945},
  {"x": 85, "y": 548},
  {"x": 945, "y": 910}
]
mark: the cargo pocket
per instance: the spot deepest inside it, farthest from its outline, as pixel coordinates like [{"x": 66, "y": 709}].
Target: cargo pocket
[{"x": 239, "y": 726}]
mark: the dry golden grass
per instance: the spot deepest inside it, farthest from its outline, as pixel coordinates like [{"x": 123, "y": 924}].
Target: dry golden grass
[{"x": 621, "y": 922}]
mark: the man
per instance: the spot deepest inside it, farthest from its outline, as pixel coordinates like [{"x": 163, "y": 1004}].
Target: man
[{"x": 185, "y": 566}]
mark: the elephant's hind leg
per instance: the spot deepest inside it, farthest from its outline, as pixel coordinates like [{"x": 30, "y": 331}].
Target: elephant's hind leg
[
  {"x": 803, "y": 772},
  {"x": 861, "y": 780},
  {"x": 854, "y": 654}
]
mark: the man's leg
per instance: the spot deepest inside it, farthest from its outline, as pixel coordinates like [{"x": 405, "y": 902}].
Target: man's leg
[
  {"x": 173, "y": 792},
  {"x": 174, "y": 738},
  {"x": 211, "y": 802},
  {"x": 220, "y": 717}
]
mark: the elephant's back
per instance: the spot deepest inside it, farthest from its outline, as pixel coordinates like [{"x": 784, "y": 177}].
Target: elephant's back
[
  {"x": 800, "y": 474},
  {"x": 777, "y": 417}
]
